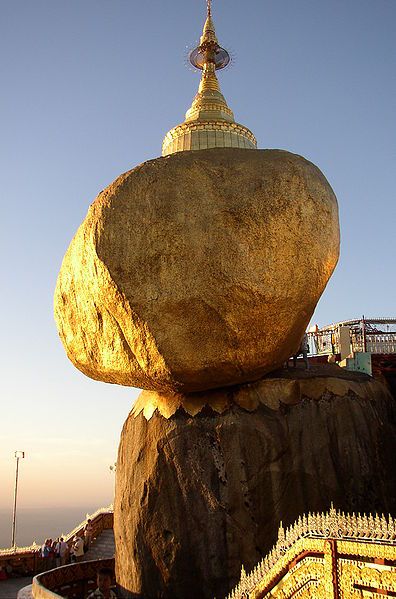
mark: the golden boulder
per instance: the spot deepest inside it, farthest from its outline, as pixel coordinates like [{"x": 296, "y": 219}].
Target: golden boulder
[{"x": 198, "y": 270}]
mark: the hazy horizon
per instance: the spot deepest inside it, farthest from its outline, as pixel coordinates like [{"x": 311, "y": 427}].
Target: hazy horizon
[{"x": 37, "y": 524}]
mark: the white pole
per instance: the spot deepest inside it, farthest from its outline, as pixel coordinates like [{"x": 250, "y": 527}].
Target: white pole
[{"x": 18, "y": 454}]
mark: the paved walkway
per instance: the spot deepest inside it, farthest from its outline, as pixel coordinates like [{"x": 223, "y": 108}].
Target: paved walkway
[
  {"x": 9, "y": 588},
  {"x": 20, "y": 588}
]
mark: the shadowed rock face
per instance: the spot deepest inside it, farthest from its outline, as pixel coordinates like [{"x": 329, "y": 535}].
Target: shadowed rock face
[
  {"x": 197, "y": 497},
  {"x": 198, "y": 270}
]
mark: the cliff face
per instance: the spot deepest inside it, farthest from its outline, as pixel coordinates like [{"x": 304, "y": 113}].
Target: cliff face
[{"x": 197, "y": 497}]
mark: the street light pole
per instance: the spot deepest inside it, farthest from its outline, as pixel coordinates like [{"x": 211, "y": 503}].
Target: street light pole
[
  {"x": 18, "y": 455},
  {"x": 113, "y": 468}
]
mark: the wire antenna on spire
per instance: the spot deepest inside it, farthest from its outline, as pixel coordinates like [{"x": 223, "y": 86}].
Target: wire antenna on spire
[{"x": 209, "y": 52}]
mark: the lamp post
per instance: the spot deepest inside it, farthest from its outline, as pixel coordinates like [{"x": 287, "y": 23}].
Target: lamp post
[
  {"x": 113, "y": 469},
  {"x": 18, "y": 455}
]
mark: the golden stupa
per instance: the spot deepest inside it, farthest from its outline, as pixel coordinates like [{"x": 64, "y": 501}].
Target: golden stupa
[{"x": 209, "y": 122}]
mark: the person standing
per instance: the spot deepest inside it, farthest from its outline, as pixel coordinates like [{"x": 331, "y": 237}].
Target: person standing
[
  {"x": 88, "y": 532},
  {"x": 45, "y": 554},
  {"x": 52, "y": 554},
  {"x": 78, "y": 548},
  {"x": 61, "y": 552}
]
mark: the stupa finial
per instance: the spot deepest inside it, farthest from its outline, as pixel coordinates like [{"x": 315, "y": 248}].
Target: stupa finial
[
  {"x": 209, "y": 49},
  {"x": 209, "y": 122}
]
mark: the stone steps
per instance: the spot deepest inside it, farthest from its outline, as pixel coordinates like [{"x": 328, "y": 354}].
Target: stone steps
[{"x": 102, "y": 547}]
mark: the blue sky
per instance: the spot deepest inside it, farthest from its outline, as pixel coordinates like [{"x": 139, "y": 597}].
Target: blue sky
[{"x": 89, "y": 90}]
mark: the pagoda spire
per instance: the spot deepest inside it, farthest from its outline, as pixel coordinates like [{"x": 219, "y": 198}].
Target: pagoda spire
[{"x": 209, "y": 122}]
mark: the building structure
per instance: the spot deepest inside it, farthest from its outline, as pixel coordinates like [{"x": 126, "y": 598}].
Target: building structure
[
  {"x": 362, "y": 344},
  {"x": 376, "y": 335}
]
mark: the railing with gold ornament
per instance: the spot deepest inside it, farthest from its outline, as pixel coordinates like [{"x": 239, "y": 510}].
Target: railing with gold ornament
[
  {"x": 333, "y": 524},
  {"x": 12, "y": 551},
  {"x": 92, "y": 517}
]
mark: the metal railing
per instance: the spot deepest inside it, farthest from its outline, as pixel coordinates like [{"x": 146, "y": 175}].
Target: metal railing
[
  {"x": 328, "y": 342},
  {"x": 384, "y": 343}
]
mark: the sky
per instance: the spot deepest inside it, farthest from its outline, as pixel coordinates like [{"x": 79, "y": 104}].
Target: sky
[{"x": 89, "y": 89}]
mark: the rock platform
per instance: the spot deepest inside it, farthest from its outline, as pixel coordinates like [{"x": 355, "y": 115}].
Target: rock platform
[{"x": 202, "y": 486}]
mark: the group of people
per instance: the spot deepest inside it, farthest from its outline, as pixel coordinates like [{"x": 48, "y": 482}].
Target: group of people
[{"x": 58, "y": 553}]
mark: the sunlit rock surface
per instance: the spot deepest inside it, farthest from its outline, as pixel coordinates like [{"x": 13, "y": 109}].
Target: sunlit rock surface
[
  {"x": 198, "y": 270},
  {"x": 198, "y": 496}
]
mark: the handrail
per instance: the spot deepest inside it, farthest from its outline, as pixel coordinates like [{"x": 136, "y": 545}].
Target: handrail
[
  {"x": 92, "y": 517},
  {"x": 12, "y": 551},
  {"x": 353, "y": 321}
]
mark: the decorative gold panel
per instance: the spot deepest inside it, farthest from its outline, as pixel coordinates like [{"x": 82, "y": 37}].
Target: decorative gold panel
[{"x": 328, "y": 555}]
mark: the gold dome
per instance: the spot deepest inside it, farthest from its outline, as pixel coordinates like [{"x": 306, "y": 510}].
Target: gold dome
[{"x": 209, "y": 122}]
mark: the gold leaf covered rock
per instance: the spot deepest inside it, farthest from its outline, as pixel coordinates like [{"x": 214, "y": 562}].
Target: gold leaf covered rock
[{"x": 198, "y": 270}]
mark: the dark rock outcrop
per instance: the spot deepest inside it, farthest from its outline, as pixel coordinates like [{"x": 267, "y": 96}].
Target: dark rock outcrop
[{"x": 197, "y": 497}]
